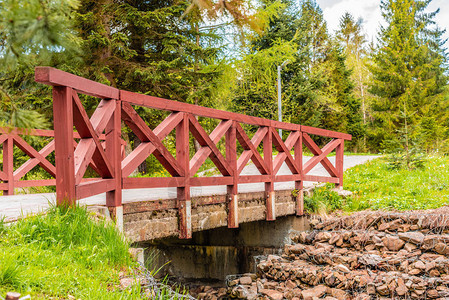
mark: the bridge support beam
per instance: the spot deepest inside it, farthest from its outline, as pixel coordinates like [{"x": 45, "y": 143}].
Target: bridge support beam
[
  {"x": 8, "y": 165},
  {"x": 232, "y": 190},
  {"x": 64, "y": 156},
  {"x": 183, "y": 193},
  {"x": 339, "y": 156},
  {"x": 299, "y": 185},
  {"x": 269, "y": 186}
]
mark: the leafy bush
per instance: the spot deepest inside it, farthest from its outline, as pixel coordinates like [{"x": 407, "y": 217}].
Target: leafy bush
[{"x": 323, "y": 201}]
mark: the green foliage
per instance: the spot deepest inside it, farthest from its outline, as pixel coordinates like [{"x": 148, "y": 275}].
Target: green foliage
[
  {"x": 61, "y": 253},
  {"x": 409, "y": 75},
  {"x": 377, "y": 185},
  {"x": 323, "y": 201}
]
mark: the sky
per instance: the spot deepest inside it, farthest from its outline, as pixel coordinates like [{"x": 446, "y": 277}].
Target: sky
[{"x": 369, "y": 11}]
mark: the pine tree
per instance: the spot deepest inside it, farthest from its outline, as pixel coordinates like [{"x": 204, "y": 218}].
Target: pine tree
[{"x": 408, "y": 75}]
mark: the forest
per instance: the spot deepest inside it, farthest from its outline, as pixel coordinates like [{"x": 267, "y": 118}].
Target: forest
[{"x": 391, "y": 93}]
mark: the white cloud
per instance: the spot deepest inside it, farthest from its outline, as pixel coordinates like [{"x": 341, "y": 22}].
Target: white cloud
[{"x": 369, "y": 11}]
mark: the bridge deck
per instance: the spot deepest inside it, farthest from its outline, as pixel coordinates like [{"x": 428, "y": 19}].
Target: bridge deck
[{"x": 13, "y": 207}]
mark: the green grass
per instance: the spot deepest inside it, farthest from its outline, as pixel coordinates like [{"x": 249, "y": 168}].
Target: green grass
[
  {"x": 377, "y": 186},
  {"x": 64, "y": 253}
]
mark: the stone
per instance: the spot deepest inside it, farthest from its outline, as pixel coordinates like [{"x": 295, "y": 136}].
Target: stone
[
  {"x": 12, "y": 296},
  {"x": 342, "y": 268},
  {"x": 419, "y": 265},
  {"x": 401, "y": 290},
  {"x": 410, "y": 247},
  {"x": 245, "y": 280},
  {"x": 416, "y": 238},
  {"x": 272, "y": 294},
  {"x": 371, "y": 289},
  {"x": 317, "y": 291},
  {"x": 433, "y": 294},
  {"x": 339, "y": 294},
  {"x": 393, "y": 243},
  {"x": 383, "y": 290},
  {"x": 442, "y": 248}
]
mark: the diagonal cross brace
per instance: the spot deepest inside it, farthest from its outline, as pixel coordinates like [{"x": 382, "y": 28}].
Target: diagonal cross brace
[
  {"x": 320, "y": 156},
  {"x": 281, "y": 147},
  {"x": 89, "y": 147},
  {"x": 282, "y": 156},
  {"x": 31, "y": 152},
  {"x": 204, "y": 140},
  {"x": 200, "y": 157},
  {"x": 251, "y": 152},
  {"x": 146, "y": 148},
  {"x": 135, "y": 122}
]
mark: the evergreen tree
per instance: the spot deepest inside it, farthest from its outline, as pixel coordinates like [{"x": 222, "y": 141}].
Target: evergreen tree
[
  {"x": 352, "y": 39},
  {"x": 408, "y": 76}
]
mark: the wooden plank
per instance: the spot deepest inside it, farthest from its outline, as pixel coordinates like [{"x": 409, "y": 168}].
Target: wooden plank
[
  {"x": 205, "y": 141},
  {"x": 32, "y": 162},
  {"x": 161, "y": 153},
  {"x": 3, "y": 176},
  {"x": 3, "y": 137},
  {"x": 113, "y": 148},
  {"x": 8, "y": 165},
  {"x": 102, "y": 115},
  {"x": 89, "y": 134},
  {"x": 247, "y": 154},
  {"x": 248, "y": 145},
  {"x": 55, "y": 77},
  {"x": 285, "y": 178},
  {"x": 289, "y": 143},
  {"x": 64, "y": 158},
  {"x": 326, "y": 133},
  {"x": 317, "y": 151},
  {"x": 281, "y": 147},
  {"x": 299, "y": 198},
  {"x": 31, "y": 152},
  {"x": 91, "y": 188},
  {"x": 170, "y": 105},
  {"x": 299, "y": 184},
  {"x": 151, "y": 182},
  {"x": 34, "y": 183},
  {"x": 269, "y": 186},
  {"x": 145, "y": 149},
  {"x": 83, "y": 156},
  {"x": 200, "y": 157},
  {"x": 339, "y": 158},
  {"x": 320, "y": 178},
  {"x": 26, "y": 131},
  {"x": 318, "y": 158},
  {"x": 183, "y": 192},
  {"x": 255, "y": 178},
  {"x": 232, "y": 196}
]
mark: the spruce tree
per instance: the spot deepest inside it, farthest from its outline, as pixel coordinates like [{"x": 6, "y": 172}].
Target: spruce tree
[{"x": 408, "y": 76}]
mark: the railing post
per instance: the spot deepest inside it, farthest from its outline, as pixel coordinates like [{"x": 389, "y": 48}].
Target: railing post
[
  {"x": 269, "y": 185},
  {"x": 113, "y": 152},
  {"x": 339, "y": 157},
  {"x": 182, "y": 155},
  {"x": 8, "y": 164},
  {"x": 299, "y": 183},
  {"x": 232, "y": 190},
  {"x": 64, "y": 150}
]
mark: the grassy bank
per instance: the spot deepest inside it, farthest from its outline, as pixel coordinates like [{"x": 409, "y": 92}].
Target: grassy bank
[
  {"x": 378, "y": 184},
  {"x": 62, "y": 254}
]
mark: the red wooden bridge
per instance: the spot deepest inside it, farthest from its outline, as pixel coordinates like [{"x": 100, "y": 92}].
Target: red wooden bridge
[{"x": 97, "y": 143}]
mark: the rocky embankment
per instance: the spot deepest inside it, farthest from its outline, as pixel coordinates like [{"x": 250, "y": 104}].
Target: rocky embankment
[{"x": 368, "y": 255}]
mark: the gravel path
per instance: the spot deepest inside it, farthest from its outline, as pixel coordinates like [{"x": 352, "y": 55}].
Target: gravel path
[{"x": 12, "y": 207}]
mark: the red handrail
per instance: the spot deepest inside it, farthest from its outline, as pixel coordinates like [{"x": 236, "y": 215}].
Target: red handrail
[{"x": 117, "y": 106}]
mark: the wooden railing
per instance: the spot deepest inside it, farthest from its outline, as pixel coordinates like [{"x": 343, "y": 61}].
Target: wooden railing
[{"x": 72, "y": 160}]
